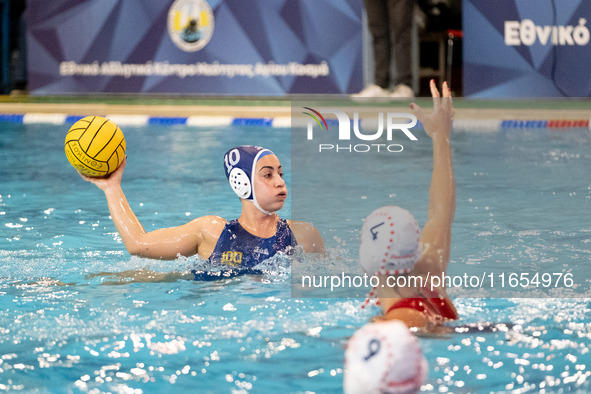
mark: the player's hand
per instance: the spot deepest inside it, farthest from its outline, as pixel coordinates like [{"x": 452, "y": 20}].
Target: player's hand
[
  {"x": 439, "y": 121},
  {"x": 113, "y": 179}
]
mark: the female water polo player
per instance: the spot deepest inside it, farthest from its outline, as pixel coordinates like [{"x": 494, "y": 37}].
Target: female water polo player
[
  {"x": 256, "y": 176},
  {"x": 405, "y": 259}
]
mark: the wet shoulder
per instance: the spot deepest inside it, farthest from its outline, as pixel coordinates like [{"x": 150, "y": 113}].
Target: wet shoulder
[
  {"x": 307, "y": 235},
  {"x": 210, "y": 227}
]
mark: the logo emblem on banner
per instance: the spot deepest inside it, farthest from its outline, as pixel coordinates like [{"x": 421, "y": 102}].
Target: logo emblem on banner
[{"x": 190, "y": 24}]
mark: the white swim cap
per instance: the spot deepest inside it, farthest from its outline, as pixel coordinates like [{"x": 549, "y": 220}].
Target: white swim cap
[
  {"x": 384, "y": 357},
  {"x": 389, "y": 241}
]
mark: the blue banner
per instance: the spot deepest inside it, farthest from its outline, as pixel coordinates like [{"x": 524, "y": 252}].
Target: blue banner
[
  {"x": 526, "y": 48},
  {"x": 227, "y": 47}
]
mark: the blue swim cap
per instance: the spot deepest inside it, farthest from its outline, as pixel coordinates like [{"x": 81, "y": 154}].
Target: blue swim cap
[{"x": 239, "y": 164}]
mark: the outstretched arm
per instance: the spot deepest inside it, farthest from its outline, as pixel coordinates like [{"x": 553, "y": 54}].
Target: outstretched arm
[
  {"x": 436, "y": 234},
  {"x": 165, "y": 243}
]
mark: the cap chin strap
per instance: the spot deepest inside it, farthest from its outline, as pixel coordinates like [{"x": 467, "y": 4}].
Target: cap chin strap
[
  {"x": 254, "y": 195},
  {"x": 256, "y": 204}
]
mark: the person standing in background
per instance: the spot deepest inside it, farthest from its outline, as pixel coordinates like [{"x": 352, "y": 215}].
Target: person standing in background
[{"x": 390, "y": 25}]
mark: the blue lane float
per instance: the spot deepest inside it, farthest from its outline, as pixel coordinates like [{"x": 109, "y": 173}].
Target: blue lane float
[{"x": 476, "y": 125}]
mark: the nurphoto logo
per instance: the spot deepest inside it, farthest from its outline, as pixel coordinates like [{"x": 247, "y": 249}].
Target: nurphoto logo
[{"x": 391, "y": 124}]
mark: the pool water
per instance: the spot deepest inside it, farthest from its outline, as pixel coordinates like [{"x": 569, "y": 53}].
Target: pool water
[{"x": 78, "y": 314}]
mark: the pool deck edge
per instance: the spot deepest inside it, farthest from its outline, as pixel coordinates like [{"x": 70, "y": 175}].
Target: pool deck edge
[{"x": 245, "y": 111}]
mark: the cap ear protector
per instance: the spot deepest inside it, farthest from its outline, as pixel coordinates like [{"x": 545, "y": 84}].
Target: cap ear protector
[
  {"x": 240, "y": 183},
  {"x": 239, "y": 165}
]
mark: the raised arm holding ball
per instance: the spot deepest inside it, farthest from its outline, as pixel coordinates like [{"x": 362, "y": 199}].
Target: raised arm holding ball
[{"x": 256, "y": 175}]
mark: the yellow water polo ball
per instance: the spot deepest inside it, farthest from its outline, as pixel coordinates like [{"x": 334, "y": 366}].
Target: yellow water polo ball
[{"x": 95, "y": 146}]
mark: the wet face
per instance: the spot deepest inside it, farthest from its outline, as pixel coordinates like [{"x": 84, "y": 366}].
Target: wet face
[{"x": 268, "y": 183}]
